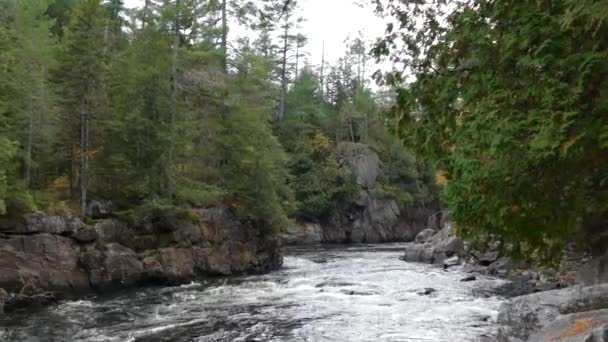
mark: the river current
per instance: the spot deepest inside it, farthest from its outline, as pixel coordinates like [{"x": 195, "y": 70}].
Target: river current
[{"x": 344, "y": 294}]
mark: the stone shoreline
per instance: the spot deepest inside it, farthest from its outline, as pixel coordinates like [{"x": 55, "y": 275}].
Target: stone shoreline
[{"x": 46, "y": 257}]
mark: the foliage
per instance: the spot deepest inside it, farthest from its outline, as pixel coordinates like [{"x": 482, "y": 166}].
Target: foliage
[{"x": 510, "y": 100}]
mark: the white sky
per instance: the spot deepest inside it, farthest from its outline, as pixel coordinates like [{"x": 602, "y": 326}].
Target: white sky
[{"x": 331, "y": 21}]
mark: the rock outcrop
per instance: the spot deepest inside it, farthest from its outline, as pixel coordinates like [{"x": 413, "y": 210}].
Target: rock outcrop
[
  {"x": 43, "y": 255},
  {"x": 442, "y": 248},
  {"x": 576, "y": 314},
  {"x": 371, "y": 218}
]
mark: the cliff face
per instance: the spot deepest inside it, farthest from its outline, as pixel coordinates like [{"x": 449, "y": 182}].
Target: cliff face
[
  {"x": 371, "y": 218},
  {"x": 43, "y": 256}
]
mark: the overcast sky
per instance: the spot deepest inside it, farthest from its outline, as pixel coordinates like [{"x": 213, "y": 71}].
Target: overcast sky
[{"x": 330, "y": 21}]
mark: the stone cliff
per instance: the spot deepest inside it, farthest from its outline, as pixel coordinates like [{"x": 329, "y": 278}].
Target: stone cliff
[
  {"x": 46, "y": 256},
  {"x": 371, "y": 218}
]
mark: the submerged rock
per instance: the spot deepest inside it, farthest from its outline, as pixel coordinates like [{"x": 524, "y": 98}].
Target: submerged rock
[{"x": 469, "y": 278}]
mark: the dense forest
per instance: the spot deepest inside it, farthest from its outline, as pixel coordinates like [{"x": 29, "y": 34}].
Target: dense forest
[
  {"x": 509, "y": 99},
  {"x": 161, "y": 106}
]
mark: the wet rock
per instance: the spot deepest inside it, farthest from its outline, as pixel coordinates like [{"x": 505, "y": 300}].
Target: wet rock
[
  {"x": 112, "y": 266},
  {"x": 453, "y": 261},
  {"x": 427, "y": 291},
  {"x": 113, "y": 255},
  {"x": 3, "y": 299},
  {"x": 16, "y": 301},
  {"x": 485, "y": 258},
  {"x": 425, "y": 236},
  {"x": 573, "y": 314},
  {"x": 99, "y": 209},
  {"x": 469, "y": 278},
  {"x": 443, "y": 246}
]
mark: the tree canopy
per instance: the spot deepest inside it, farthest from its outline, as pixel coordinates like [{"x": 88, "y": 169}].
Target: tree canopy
[{"x": 510, "y": 100}]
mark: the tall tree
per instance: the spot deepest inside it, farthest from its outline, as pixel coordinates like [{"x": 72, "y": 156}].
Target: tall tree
[
  {"x": 81, "y": 77},
  {"x": 34, "y": 52}
]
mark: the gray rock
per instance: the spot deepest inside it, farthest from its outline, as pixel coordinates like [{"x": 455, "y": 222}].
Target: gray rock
[
  {"x": 485, "y": 258},
  {"x": 425, "y": 236},
  {"x": 112, "y": 266},
  {"x": 361, "y": 161},
  {"x": 441, "y": 247},
  {"x": 99, "y": 209},
  {"x": 17, "y": 301},
  {"x": 38, "y": 223},
  {"x": 3, "y": 295},
  {"x": 453, "y": 261},
  {"x": 49, "y": 261},
  {"x": 303, "y": 233},
  {"x": 554, "y": 315},
  {"x": 32, "y": 265},
  {"x": 85, "y": 235},
  {"x": 469, "y": 278},
  {"x": 594, "y": 271}
]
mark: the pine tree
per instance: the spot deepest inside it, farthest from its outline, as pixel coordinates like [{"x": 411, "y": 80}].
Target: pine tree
[{"x": 81, "y": 76}]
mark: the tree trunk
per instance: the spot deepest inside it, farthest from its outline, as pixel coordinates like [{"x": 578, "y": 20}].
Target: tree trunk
[
  {"x": 322, "y": 71},
  {"x": 174, "y": 59},
  {"x": 144, "y": 16},
  {"x": 297, "y": 58},
  {"x": 224, "y": 42},
  {"x": 284, "y": 68},
  {"x": 28, "y": 157},
  {"x": 84, "y": 158}
]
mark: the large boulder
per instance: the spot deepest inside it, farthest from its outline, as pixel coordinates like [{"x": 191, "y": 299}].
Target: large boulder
[
  {"x": 576, "y": 314},
  {"x": 48, "y": 261},
  {"x": 112, "y": 266},
  {"x": 436, "y": 249}
]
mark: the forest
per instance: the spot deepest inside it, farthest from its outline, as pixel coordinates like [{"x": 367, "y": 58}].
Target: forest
[{"x": 160, "y": 106}]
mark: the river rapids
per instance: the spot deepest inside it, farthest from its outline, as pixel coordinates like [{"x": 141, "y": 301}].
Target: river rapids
[{"x": 343, "y": 294}]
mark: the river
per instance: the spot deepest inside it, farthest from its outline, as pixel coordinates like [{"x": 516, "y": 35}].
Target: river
[{"x": 362, "y": 293}]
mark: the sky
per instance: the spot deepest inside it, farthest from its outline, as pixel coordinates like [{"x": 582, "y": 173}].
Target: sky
[{"x": 330, "y": 22}]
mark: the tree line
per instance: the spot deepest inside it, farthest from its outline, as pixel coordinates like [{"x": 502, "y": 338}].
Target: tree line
[{"x": 160, "y": 105}]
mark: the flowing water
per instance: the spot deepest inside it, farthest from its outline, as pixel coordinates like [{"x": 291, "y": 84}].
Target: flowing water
[{"x": 362, "y": 293}]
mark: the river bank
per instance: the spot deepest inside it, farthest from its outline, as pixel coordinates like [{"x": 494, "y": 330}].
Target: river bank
[{"x": 44, "y": 258}]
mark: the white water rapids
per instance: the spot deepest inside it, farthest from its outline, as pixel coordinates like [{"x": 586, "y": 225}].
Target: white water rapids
[{"x": 343, "y": 294}]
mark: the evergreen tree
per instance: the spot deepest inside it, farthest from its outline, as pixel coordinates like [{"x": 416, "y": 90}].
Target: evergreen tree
[{"x": 81, "y": 76}]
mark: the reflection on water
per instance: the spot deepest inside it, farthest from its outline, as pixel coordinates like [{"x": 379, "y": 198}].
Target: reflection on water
[{"x": 362, "y": 293}]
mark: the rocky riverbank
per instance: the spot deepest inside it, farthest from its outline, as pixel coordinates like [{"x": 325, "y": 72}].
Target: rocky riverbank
[
  {"x": 46, "y": 257},
  {"x": 569, "y": 305}
]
